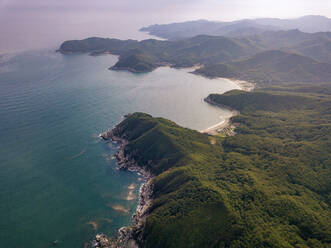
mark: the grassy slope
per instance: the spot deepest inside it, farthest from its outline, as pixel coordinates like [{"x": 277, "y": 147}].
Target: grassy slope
[{"x": 268, "y": 186}]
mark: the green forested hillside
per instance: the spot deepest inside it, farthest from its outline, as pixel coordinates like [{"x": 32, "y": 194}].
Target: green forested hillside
[
  {"x": 315, "y": 45},
  {"x": 272, "y": 67},
  {"x": 96, "y": 44},
  {"x": 136, "y": 62},
  {"x": 267, "y": 186}
]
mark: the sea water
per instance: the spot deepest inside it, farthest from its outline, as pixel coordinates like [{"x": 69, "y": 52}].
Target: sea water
[{"x": 58, "y": 179}]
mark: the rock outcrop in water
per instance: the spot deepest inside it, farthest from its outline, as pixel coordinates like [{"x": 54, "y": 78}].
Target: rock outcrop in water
[{"x": 127, "y": 236}]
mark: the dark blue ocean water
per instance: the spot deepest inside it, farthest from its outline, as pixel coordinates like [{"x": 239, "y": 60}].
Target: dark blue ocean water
[{"x": 56, "y": 176}]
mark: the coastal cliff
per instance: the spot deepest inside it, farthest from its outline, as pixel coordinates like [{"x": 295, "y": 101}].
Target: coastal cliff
[{"x": 127, "y": 236}]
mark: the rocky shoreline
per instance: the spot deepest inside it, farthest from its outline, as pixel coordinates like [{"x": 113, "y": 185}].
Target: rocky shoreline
[{"x": 128, "y": 237}]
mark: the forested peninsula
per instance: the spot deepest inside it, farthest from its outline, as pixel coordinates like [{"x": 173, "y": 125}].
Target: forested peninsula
[{"x": 267, "y": 186}]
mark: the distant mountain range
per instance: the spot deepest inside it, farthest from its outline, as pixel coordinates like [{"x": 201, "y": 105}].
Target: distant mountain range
[
  {"x": 315, "y": 45},
  {"x": 262, "y": 57},
  {"x": 309, "y": 24}
]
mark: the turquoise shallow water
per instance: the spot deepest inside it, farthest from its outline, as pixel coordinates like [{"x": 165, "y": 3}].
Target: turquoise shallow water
[{"x": 56, "y": 175}]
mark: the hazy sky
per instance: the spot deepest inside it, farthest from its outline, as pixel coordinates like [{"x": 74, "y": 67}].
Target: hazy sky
[{"x": 28, "y": 24}]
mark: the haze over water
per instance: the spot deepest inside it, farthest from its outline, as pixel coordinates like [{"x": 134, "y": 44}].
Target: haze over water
[
  {"x": 57, "y": 176},
  {"x": 36, "y": 24}
]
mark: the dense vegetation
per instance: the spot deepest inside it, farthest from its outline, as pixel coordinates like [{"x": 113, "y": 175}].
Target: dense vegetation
[
  {"x": 218, "y": 70},
  {"x": 270, "y": 67},
  {"x": 267, "y": 186},
  {"x": 136, "y": 62}
]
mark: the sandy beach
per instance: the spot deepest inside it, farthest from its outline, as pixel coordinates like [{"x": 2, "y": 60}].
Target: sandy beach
[
  {"x": 244, "y": 85},
  {"x": 215, "y": 129}
]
